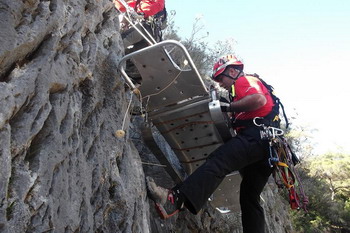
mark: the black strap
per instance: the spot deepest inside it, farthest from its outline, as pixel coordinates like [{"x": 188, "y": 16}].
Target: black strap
[
  {"x": 275, "y": 98},
  {"x": 268, "y": 120},
  {"x": 284, "y": 114}
]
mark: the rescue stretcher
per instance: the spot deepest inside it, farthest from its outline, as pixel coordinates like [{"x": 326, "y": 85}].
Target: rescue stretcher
[{"x": 184, "y": 111}]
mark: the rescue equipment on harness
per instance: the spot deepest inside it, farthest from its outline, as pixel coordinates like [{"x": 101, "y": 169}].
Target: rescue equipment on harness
[{"x": 284, "y": 160}]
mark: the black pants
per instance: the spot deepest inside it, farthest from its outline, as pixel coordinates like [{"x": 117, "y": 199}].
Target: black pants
[{"x": 246, "y": 153}]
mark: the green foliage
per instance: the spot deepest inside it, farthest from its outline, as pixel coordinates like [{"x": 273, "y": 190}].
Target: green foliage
[
  {"x": 170, "y": 32},
  {"x": 334, "y": 169},
  {"x": 326, "y": 182},
  {"x": 299, "y": 137},
  {"x": 201, "y": 53}
]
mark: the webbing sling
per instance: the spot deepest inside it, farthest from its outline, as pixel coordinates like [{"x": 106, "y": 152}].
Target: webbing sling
[
  {"x": 285, "y": 174},
  {"x": 276, "y": 100}
]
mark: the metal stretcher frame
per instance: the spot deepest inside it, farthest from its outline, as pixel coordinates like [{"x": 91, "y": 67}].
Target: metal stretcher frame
[
  {"x": 173, "y": 84},
  {"x": 185, "y": 112}
]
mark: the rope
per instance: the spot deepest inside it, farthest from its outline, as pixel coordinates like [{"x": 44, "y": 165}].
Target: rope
[
  {"x": 154, "y": 164},
  {"x": 126, "y": 112},
  {"x": 286, "y": 175}
]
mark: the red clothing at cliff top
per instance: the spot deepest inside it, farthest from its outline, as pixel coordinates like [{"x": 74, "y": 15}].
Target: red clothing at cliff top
[
  {"x": 248, "y": 85},
  {"x": 147, "y": 7}
]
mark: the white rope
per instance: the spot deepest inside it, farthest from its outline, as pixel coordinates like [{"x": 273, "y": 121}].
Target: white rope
[
  {"x": 154, "y": 164},
  {"x": 127, "y": 112}
]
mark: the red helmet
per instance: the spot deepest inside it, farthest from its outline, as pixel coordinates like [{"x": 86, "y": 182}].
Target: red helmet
[{"x": 223, "y": 62}]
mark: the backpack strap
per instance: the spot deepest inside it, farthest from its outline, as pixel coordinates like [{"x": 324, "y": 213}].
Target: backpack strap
[
  {"x": 272, "y": 119},
  {"x": 275, "y": 99},
  {"x": 162, "y": 15}
]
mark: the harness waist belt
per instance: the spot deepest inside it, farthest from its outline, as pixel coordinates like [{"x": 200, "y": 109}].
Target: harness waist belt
[{"x": 250, "y": 122}]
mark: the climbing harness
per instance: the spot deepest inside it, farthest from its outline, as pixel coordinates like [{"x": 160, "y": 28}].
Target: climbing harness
[
  {"x": 281, "y": 156},
  {"x": 283, "y": 160}
]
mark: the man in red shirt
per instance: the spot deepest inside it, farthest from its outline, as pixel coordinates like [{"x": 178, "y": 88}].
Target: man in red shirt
[
  {"x": 246, "y": 152},
  {"x": 143, "y": 9}
]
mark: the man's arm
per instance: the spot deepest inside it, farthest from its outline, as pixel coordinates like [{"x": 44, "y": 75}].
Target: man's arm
[
  {"x": 248, "y": 103},
  {"x": 150, "y": 8}
]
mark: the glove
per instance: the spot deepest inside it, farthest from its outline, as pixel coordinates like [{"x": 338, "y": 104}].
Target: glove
[{"x": 225, "y": 107}]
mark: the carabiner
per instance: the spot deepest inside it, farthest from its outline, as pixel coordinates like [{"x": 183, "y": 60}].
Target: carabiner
[{"x": 254, "y": 121}]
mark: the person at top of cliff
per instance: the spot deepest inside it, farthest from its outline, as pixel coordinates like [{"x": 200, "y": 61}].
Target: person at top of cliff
[
  {"x": 148, "y": 14},
  {"x": 145, "y": 8},
  {"x": 247, "y": 152}
]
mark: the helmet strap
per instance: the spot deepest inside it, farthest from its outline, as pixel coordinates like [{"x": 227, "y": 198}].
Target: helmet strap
[{"x": 237, "y": 76}]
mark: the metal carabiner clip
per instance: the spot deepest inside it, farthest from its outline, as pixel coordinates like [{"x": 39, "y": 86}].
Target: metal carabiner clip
[
  {"x": 254, "y": 121},
  {"x": 276, "y": 132}
]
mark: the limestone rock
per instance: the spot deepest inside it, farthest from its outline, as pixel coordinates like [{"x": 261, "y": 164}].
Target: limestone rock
[{"x": 62, "y": 169}]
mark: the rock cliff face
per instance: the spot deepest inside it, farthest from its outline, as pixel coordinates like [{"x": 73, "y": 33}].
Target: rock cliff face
[{"x": 61, "y": 100}]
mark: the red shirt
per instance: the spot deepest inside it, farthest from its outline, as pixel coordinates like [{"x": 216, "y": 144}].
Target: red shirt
[
  {"x": 248, "y": 85},
  {"x": 148, "y": 7}
]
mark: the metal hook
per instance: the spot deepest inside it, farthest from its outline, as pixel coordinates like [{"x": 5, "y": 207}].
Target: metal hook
[
  {"x": 275, "y": 131},
  {"x": 254, "y": 121}
]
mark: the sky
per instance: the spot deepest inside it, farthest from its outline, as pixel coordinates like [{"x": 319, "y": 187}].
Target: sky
[{"x": 300, "y": 47}]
